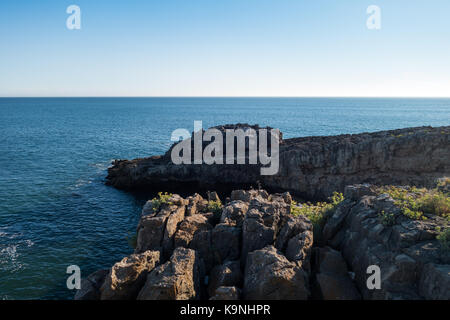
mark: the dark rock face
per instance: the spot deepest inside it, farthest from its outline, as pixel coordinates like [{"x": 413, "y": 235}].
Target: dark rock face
[
  {"x": 90, "y": 287},
  {"x": 332, "y": 278},
  {"x": 312, "y": 167},
  {"x": 411, "y": 261},
  {"x": 226, "y": 275}
]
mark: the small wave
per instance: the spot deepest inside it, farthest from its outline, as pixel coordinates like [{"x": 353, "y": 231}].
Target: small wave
[
  {"x": 9, "y": 259},
  {"x": 101, "y": 165},
  {"x": 9, "y": 255}
]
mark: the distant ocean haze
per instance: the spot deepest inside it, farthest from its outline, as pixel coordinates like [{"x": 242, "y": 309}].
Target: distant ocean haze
[{"x": 55, "y": 210}]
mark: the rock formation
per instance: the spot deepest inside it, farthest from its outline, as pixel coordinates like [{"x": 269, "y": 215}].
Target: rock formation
[
  {"x": 407, "y": 251},
  {"x": 187, "y": 253},
  {"x": 253, "y": 247},
  {"x": 311, "y": 167}
]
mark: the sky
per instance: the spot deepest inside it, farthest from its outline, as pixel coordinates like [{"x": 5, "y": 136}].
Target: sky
[{"x": 225, "y": 48}]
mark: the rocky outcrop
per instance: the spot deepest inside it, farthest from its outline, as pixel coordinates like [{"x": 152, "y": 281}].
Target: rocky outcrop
[
  {"x": 127, "y": 277},
  {"x": 271, "y": 276},
  {"x": 177, "y": 279},
  {"x": 226, "y": 257},
  {"x": 254, "y": 247},
  {"x": 412, "y": 263},
  {"x": 312, "y": 167}
]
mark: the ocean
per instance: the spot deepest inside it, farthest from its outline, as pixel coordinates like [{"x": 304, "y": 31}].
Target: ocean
[{"x": 55, "y": 209}]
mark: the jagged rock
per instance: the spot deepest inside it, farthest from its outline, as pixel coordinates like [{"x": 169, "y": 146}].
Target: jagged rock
[
  {"x": 313, "y": 167},
  {"x": 177, "y": 279},
  {"x": 234, "y": 213},
  {"x": 127, "y": 277},
  {"x": 195, "y": 204},
  {"x": 156, "y": 230},
  {"x": 357, "y": 191},
  {"x": 270, "y": 276},
  {"x": 296, "y": 239},
  {"x": 212, "y": 196},
  {"x": 274, "y": 248},
  {"x": 248, "y": 195},
  {"x": 332, "y": 277},
  {"x": 90, "y": 286},
  {"x": 261, "y": 224},
  {"x": 202, "y": 244},
  {"x": 228, "y": 274},
  {"x": 401, "y": 250},
  {"x": 227, "y": 293},
  {"x": 189, "y": 227},
  {"x": 172, "y": 222},
  {"x": 336, "y": 220},
  {"x": 150, "y": 232}
]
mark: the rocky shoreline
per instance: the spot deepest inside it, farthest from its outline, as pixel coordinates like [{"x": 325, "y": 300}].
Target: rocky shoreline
[
  {"x": 254, "y": 248},
  {"x": 258, "y": 245},
  {"x": 310, "y": 167}
]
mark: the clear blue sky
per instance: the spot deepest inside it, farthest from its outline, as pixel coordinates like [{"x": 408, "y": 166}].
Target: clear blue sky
[{"x": 225, "y": 48}]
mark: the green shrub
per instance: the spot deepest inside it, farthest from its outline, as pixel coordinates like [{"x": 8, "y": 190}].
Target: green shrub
[
  {"x": 415, "y": 203},
  {"x": 387, "y": 219},
  {"x": 444, "y": 238},
  {"x": 316, "y": 212},
  {"x": 214, "y": 206},
  {"x": 162, "y": 198}
]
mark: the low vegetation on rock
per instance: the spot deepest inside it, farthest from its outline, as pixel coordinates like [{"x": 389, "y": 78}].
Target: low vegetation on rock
[
  {"x": 162, "y": 198},
  {"x": 316, "y": 212},
  {"x": 387, "y": 218},
  {"x": 417, "y": 203},
  {"x": 444, "y": 238},
  {"x": 214, "y": 206}
]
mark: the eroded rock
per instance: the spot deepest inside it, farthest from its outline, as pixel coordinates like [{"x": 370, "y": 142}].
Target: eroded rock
[
  {"x": 177, "y": 279},
  {"x": 270, "y": 276},
  {"x": 126, "y": 278}
]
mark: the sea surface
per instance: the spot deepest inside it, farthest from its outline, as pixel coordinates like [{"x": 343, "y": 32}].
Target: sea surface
[{"x": 55, "y": 210}]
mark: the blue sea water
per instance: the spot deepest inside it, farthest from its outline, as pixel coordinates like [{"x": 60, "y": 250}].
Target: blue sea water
[{"x": 55, "y": 210}]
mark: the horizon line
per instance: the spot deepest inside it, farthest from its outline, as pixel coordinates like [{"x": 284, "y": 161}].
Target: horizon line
[{"x": 315, "y": 97}]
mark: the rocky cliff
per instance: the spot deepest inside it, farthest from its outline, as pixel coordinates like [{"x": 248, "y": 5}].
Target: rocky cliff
[
  {"x": 311, "y": 167},
  {"x": 258, "y": 245},
  {"x": 255, "y": 246}
]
